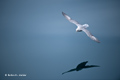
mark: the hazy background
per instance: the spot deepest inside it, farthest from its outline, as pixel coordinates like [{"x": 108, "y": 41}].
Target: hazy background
[{"x": 35, "y": 39}]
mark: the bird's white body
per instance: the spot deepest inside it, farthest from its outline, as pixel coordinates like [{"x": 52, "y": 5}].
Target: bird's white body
[{"x": 81, "y": 27}]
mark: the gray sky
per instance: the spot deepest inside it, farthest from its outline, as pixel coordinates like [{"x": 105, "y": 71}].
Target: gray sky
[{"x": 38, "y": 41}]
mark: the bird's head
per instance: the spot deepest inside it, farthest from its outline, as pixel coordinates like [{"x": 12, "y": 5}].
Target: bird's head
[{"x": 85, "y": 25}]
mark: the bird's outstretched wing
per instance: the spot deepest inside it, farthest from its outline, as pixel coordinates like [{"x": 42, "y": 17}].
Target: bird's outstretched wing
[
  {"x": 81, "y": 65},
  {"x": 90, "y": 35},
  {"x": 69, "y": 71},
  {"x": 90, "y": 66},
  {"x": 70, "y": 19}
]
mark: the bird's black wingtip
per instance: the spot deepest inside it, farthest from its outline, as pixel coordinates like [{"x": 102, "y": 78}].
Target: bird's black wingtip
[
  {"x": 97, "y": 66},
  {"x": 63, "y": 13},
  {"x": 98, "y": 41},
  {"x": 62, "y": 73}
]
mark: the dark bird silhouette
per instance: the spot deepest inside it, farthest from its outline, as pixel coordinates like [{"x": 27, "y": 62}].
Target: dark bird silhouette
[{"x": 81, "y": 66}]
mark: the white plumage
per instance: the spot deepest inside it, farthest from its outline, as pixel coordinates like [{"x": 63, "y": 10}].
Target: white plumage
[{"x": 81, "y": 27}]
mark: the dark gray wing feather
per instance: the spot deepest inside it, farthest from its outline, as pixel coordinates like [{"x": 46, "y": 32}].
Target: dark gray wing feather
[
  {"x": 90, "y": 35},
  {"x": 70, "y": 19}
]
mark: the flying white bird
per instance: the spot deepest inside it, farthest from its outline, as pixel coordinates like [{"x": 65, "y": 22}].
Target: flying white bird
[{"x": 81, "y": 27}]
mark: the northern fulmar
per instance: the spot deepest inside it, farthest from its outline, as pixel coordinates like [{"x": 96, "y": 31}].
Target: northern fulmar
[{"x": 81, "y": 27}]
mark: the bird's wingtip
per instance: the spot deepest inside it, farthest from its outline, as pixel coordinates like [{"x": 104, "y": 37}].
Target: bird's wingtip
[
  {"x": 98, "y": 41},
  {"x": 97, "y": 66},
  {"x": 63, "y": 13}
]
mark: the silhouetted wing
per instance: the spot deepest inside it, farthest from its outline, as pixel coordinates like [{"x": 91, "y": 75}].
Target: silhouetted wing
[
  {"x": 70, "y": 19},
  {"x": 90, "y": 35},
  {"x": 90, "y": 66},
  {"x": 69, "y": 71},
  {"x": 81, "y": 65}
]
